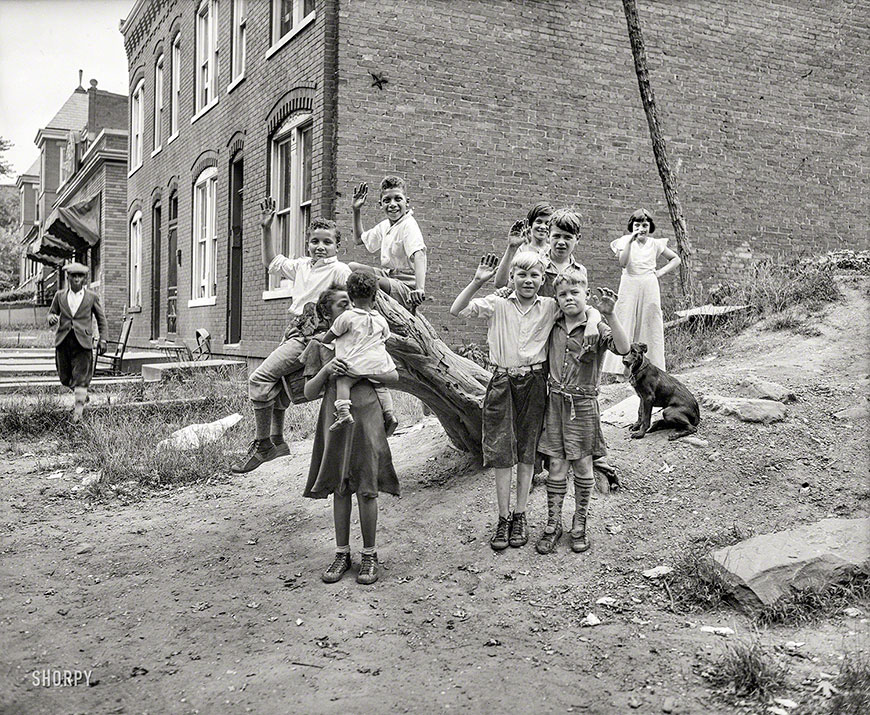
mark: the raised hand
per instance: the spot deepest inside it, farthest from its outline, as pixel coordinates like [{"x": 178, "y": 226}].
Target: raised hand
[
  {"x": 267, "y": 211},
  {"x": 605, "y": 301},
  {"x": 517, "y": 234},
  {"x": 360, "y": 193},
  {"x": 487, "y": 268},
  {"x": 416, "y": 297}
]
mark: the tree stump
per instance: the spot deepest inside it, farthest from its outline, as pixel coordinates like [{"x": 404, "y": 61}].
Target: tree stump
[{"x": 452, "y": 386}]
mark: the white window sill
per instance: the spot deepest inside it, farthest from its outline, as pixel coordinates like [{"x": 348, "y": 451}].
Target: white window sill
[
  {"x": 277, "y": 293},
  {"x": 172, "y": 138},
  {"x": 156, "y": 151},
  {"x": 235, "y": 83},
  {"x": 134, "y": 308},
  {"x": 199, "y": 302},
  {"x": 205, "y": 110},
  {"x": 306, "y": 21},
  {"x": 134, "y": 170}
]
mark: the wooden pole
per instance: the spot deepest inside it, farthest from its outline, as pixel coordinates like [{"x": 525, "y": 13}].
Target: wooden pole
[{"x": 638, "y": 50}]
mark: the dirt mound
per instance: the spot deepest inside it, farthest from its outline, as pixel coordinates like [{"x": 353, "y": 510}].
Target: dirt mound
[{"x": 208, "y": 598}]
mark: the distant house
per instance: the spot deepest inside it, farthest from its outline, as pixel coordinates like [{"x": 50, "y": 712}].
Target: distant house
[
  {"x": 80, "y": 196},
  {"x": 33, "y": 273},
  {"x": 485, "y": 107}
]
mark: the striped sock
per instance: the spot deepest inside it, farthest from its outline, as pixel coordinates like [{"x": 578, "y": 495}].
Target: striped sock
[
  {"x": 555, "y": 498},
  {"x": 583, "y": 484}
]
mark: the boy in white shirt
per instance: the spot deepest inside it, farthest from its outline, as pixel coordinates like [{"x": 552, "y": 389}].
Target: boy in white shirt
[
  {"x": 398, "y": 239},
  {"x": 311, "y": 276}
]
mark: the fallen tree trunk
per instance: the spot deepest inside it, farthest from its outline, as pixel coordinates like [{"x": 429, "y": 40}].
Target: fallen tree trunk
[{"x": 452, "y": 386}]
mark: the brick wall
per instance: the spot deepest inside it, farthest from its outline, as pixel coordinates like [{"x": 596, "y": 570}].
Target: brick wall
[
  {"x": 490, "y": 106},
  {"x": 240, "y": 117}
]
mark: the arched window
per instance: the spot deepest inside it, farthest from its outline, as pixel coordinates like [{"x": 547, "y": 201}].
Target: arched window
[
  {"x": 158, "y": 103},
  {"x": 175, "y": 86},
  {"x": 203, "y": 270},
  {"x": 134, "y": 262},
  {"x": 137, "y": 117},
  {"x": 291, "y": 185}
]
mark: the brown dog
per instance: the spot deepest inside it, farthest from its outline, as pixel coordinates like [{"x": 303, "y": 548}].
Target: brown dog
[{"x": 656, "y": 388}]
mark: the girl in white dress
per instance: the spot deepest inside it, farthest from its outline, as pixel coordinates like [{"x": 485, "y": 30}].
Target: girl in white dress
[
  {"x": 639, "y": 308},
  {"x": 360, "y": 334}
]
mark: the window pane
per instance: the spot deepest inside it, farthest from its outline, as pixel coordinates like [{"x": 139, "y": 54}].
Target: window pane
[
  {"x": 306, "y": 164},
  {"x": 308, "y": 8},
  {"x": 285, "y": 169},
  {"x": 285, "y": 17}
]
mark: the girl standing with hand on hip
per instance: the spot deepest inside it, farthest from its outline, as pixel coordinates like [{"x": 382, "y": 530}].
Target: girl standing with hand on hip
[{"x": 639, "y": 308}]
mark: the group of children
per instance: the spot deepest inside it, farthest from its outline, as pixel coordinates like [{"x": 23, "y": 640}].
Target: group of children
[{"x": 546, "y": 343}]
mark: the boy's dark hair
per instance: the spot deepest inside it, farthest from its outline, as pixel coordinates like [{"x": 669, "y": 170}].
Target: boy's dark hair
[
  {"x": 325, "y": 298},
  {"x": 323, "y": 223},
  {"x": 542, "y": 208},
  {"x": 640, "y": 215},
  {"x": 361, "y": 285},
  {"x": 568, "y": 220},
  {"x": 393, "y": 182}
]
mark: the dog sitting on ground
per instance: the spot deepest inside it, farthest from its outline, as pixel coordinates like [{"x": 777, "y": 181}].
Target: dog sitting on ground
[{"x": 656, "y": 388}]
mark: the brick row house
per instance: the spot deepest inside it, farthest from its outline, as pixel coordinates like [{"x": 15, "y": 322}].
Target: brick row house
[
  {"x": 32, "y": 275},
  {"x": 485, "y": 108},
  {"x": 74, "y": 200}
]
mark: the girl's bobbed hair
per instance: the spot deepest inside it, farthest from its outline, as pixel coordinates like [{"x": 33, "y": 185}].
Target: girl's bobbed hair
[
  {"x": 542, "y": 208},
  {"x": 640, "y": 215}
]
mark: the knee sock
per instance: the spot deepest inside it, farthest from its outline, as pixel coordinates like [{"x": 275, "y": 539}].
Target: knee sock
[
  {"x": 583, "y": 484},
  {"x": 277, "y": 426},
  {"x": 555, "y": 498},
  {"x": 263, "y": 423}
]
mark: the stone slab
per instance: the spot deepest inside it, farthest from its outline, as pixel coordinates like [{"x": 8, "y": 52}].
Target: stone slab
[
  {"x": 763, "y": 569},
  {"x": 624, "y": 413},
  {"x": 746, "y": 409}
]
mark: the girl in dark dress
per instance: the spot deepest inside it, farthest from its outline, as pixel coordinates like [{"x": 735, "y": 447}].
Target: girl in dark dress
[{"x": 353, "y": 460}]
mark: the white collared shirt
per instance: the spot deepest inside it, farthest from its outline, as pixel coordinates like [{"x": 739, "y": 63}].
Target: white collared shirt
[
  {"x": 75, "y": 300},
  {"x": 310, "y": 277},
  {"x": 397, "y": 242},
  {"x": 517, "y": 336}
]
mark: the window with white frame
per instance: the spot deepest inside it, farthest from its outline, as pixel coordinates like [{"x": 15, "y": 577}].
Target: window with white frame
[
  {"x": 287, "y": 14},
  {"x": 240, "y": 22},
  {"x": 291, "y": 186},
  {"x": 134, "y": 263},
  {"x": 158, "y": 103},
  {"x": 205, "y": 79},
  {"x": 175, "y": 86},
  {"x": 137, "y": 113},
  {"x": 62, "y": 172},
  {"x": 204, "y": 244}
]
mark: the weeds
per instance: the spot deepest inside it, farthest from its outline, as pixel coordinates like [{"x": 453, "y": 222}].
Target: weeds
[
  {"x": 746, "y": 670},
  {"x": 694, "y": 583},
  {"x": 852, "y": 694},
  {"x": 807, "y": 605},
  {"x": 27, "y": 337}
]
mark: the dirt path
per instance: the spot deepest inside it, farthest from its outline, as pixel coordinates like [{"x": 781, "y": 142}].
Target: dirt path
[{"x": 208, "y": 598}]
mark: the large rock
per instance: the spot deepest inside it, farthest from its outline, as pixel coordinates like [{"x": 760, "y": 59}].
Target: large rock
[
  {"x": 748, "y": 410},
  {"x": 762, "y": 569},
  {"x": 765, "y": 390}
]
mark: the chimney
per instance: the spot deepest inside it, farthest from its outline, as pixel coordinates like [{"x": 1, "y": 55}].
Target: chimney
[{"x": 80, "y": 89}]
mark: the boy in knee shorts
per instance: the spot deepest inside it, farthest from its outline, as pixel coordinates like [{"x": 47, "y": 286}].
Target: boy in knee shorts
[
  {"x": 398, "y": 238},
  {"x": 311, "y": 276},
  {"x": 513, "y": 408},
  {"x": 572, "y": 434}
]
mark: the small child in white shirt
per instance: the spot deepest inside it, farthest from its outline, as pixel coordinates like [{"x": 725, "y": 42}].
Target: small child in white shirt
[{"x": 360, "y": 334}]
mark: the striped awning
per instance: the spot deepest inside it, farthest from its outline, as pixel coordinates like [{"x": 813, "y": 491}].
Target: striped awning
[{"x": 78, "y": 225}]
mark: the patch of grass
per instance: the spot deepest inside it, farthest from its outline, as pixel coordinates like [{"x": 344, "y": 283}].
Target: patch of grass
[
  {"x": 746, "y": 670},
  {"x": 694, "y": 584},
  {"x": 808, "y": 605},
  {"x": 852, "y": 695},
  {"x": 27, "y": 337},
  {"x": 687, "y": 343},
  {"x": 33, "y": 417}
]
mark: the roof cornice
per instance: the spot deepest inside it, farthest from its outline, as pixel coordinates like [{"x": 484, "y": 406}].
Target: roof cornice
[
  {"x": 50, "y": 133},
  {"x": 96, "y": 156}
]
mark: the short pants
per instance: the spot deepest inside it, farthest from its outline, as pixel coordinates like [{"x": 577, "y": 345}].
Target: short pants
[{"x": 513, "y": 413}]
